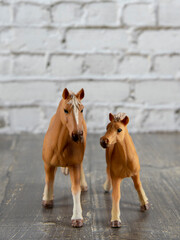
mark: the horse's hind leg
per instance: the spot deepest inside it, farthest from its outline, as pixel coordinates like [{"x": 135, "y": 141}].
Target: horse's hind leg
[
  {"x": 77, "y": 219},
  {"x": 107, "y": 185},
  {"x": 65, "y": 170},
  {"x": 48, "y": 189},
  {"x": 83, "y": 182},
  {"x": 142, "y": 196}
]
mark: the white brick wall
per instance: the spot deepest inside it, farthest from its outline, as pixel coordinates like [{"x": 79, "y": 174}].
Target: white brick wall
[{"x": 126, "y": 55}]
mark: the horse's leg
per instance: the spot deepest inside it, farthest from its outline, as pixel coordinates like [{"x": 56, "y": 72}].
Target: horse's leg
[
  {"x": 142, "y": 196},
  {"x": 77, "y": 219},
  {"x": 83, "y": 182},
  {"x": 65, "y": 170},
  {"x": 48, "y": 189},
  {"x": 107, "y": 185},
  {"x": 116, "y": 194}
]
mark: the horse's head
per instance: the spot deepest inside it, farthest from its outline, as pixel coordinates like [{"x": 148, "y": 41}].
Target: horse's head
[
  {"x": 116, "y": 130},
  {"x": 72, "y": 114}
]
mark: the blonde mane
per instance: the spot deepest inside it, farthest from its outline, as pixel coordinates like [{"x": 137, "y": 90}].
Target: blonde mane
[
  {"x": 75, "y": 104},
  {"x": 119, "y": 116}
]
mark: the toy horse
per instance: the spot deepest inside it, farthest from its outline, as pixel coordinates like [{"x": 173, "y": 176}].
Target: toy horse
[
  {"x": 64, "y": 146},
  {"x": 122, "y": 161}
]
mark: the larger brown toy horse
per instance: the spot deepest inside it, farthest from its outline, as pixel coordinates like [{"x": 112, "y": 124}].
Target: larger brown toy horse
[
  {"x": 122, "y": 161},
  {"x": 64, "y": 146}
]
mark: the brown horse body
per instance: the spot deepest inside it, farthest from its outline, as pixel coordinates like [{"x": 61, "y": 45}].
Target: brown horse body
[
  {"x": 64, "y": 146},
  {"x": 122, "y": 161}
]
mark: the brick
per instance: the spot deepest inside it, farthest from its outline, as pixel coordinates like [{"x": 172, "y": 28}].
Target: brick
[
  {"x": 167, "y": 65},
  {"x": 158, "y": 120},
  {"x": 101, "y": 14},
  {"x": 97, "y": 118},
  {"x": 5, "y": 65},
  {"x": 28, "y": 92},
  {"x": 100, "y": 64},
  {"x": 35, "y": 39},
  {"x": 158, "y": 92},
  {"x": 4, "y": 118},
  {"x": 31, "y": 14},
  {"x": 139, "y": 15},
  {"x": 177, "y": 119},
  {"x": 67, "y": 13},
  {"x": 65, "y": 65},
  {"x": 169, "y": 13},
  {"x": 103, "y": 92},
  {"x": 93, "y": 39},
  {"x": 25, "y": 119},
  {"x": 159, "y": 41},
  {"x": 29, "y": 65},
  {"x": 6, "y": 36},
  {"x": 134, "y": 65},
  {"x": 5, "y": 14},
  {"x": 134, "y": 115},
  {"x": 48, "y": 112}
]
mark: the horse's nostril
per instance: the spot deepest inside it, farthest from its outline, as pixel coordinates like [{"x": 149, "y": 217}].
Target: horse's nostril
[
  {"x": 80, "y": 133},
  {"x": 75, "y": 137},
  {"x": 104, "y": 142}
]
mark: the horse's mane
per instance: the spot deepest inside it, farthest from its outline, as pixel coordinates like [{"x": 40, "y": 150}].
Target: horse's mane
[
  {"x": 119, "y": 116},
  {"x": 74, "y": 100}
]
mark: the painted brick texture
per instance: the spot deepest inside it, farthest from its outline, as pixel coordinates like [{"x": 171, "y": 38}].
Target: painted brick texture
[{"x": 125, "y": 54}]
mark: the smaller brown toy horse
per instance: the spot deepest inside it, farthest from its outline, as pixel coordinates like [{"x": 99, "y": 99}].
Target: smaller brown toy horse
[
  {"x": 64, "y": 146},
  {"x": 122, "y": 161}
]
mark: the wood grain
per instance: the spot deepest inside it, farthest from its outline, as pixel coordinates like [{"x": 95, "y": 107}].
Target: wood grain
[{"x": 22, "y": 182}]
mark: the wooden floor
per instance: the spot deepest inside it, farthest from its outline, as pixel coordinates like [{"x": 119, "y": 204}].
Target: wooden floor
[{"x": 22, "y": 182}]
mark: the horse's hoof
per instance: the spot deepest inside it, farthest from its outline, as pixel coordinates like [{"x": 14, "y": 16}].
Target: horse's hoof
[
  {"x": 47, "y": 204},
  {"x": 84, "y": 188},
  {"x": 115, "y": 224},
  {"x": 107, "y": 188},
  {"x": 145, "y": 207},
  {"x": 77, "y": 223},
  {"x": 106, "y": 191}
]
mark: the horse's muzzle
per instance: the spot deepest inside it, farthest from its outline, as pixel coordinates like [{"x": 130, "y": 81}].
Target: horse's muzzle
[
  {"x": 77, "y": 136},
  {"x": 104, "y": 142}
]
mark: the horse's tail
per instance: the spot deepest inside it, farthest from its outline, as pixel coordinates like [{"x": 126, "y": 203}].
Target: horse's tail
[{"x": 65, "y": 170}]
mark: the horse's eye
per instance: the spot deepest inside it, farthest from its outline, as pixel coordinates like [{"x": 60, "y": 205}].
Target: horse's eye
[
  {"x": 66, "y": 111},
  {"x": 82, "y": 110},
  {"x": 119, "y": 130}
]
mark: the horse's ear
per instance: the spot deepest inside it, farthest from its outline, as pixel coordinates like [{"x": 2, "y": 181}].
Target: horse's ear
[
  {"x": 65, "y": 93},
  {"x": 111, "y": 117},
  {"x": 80, "y": 94},
  {"x": 125, "y": 120}
]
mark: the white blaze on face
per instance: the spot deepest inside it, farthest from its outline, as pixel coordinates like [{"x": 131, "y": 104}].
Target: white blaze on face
[
  {"x": 75, "y": 104},
  {"x": 75, "y": 110}
]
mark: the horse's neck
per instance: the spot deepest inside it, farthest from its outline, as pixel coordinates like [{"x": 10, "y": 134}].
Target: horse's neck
[
  {"x": 61, "y": 130},
  {"x": 126, "y": 147}
]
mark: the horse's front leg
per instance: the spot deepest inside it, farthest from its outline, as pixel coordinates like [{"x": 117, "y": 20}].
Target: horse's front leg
[
  {"x": 116, "y": 194},
  {"x": 83, "y": 182},
  {"x": 107, "y": 185},
  {"x": 77, "y": 219},
  {"x": 142, "y": 196},
  {"x": 48, "y": 189}
]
